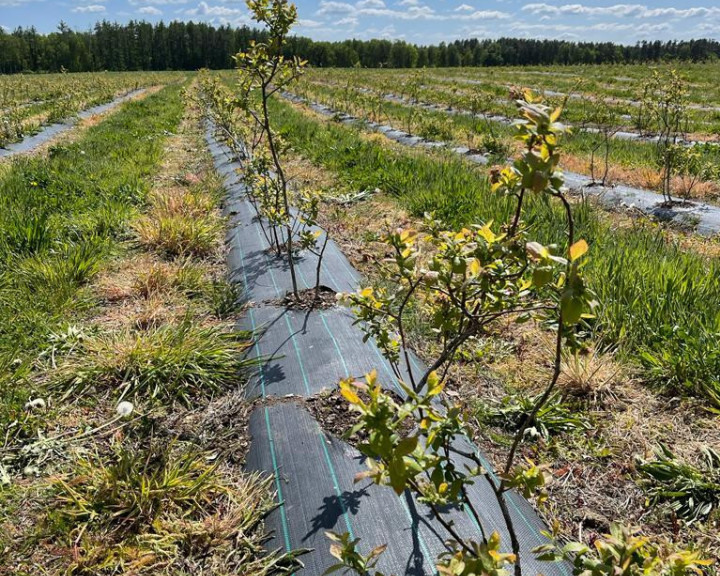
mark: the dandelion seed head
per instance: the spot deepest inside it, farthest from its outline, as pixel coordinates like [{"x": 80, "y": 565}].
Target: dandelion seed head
[
  {"x": 35, "y": 404},
  {"x": 125, "y": 408}
]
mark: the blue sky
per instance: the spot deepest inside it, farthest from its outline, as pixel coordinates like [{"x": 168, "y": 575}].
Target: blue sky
[{"x": 419, "y": 21}]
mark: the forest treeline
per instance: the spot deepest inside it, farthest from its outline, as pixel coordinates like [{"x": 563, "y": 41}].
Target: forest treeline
[{"x": 188, "y": 46}]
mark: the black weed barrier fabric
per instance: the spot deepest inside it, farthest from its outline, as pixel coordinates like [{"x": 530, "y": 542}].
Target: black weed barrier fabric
[{"x": 305, "y": 352}]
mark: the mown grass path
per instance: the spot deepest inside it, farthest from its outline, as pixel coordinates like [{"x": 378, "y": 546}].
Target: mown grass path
[
  {"x": 51, "y": 131},
  {"x": 62, "y": 216}
]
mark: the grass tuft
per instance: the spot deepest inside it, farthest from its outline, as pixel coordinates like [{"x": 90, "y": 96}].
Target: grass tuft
[
  {"x": 162, "y": 510},
  {"x": 180, "y": 225},
  {"x": 182, "y": 362}
]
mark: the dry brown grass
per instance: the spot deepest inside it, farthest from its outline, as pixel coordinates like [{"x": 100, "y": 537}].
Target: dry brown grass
[
  {"x": 181, "y": 221},
  {"x": 144, "y": 291},
  {"x": 590, "y": 374},
  {"x": 641, "y": 177}
]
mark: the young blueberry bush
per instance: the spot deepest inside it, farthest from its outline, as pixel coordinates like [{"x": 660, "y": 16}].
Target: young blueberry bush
[
  {"x": 665, "y": 104},
  {"x": 288, "y": 217},
  {"x": 464, "y": 281}
]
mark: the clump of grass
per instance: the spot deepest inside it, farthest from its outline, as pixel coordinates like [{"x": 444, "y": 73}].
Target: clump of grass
[
  {"x": 182, "y": 362},
  {"x": 50, "y": 280},
  {"x": 157, "y": 279},
  {"x": 690, "y": 492},
  {"x": 74, "y": 264},
  {"x": 588, "y": 373},
  {"x": 187, "y": 277},
  {"x": 180, "y": 224},
  {"x": 225, "y": 298},
  {"x": 136, "y": 487},
  {"x": 196, "y": 200},
  {"x": 178, "y": 235},
  {"x": 162, "y": 510},
  {"x": 221, "y": 297},
  {"x": 190, "y": 279},
  {"x": 555, "y": 417},
  {"x": 26, "y": 233}
]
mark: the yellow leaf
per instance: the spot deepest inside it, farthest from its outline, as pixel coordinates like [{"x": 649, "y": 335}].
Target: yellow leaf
[
  {"x": 349, "y": 394},
  {"x": 436, "y": 389},
  {"x": 360, "y": 476},
  {"x": 578, "y": 249},
  {"x": 366, "y": 292},
  {"x": 407, "y": 236},
  {"x": 475, "y": 267},
  {"x": 336, "y": 551},
  {"x": 487, "y": 233}
]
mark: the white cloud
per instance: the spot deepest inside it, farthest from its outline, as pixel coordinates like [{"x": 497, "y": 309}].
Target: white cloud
[
  {"x": 92, "y": 8},
  {"x": 412, "y": 10},
  {"x": 330, "y": 8},
  {"x": 618, "y": 11},
  {"x": 155, "y": 2},
  {"x": 350, "y": 22},
  {"x": 386, "y": 32},
  {"x": 305, "y": 23},
  {"x": 559, "y": 31},
  {"x": 487, "y": 15},
  {"x": 150, "y": 11},
  {"x": 682, "y": 13},
  {"x": 16, "y": 3},
  {"x": 464, "y": 8},
  {"x": 204, "y": 9},
  {"x": 370, "y": 4}
]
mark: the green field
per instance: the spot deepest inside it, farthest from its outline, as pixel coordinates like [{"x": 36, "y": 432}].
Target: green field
[
  {"x": 481, "y": 95},
  {"x": 114, "y": 289}
]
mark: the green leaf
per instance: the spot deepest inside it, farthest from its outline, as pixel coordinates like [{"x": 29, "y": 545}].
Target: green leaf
[
  {"x": 541, "y": 277},
  {"x": 406, "y": 446},
  {"x": 398, "y": 477},
  {"x": 571, "y": 308}
]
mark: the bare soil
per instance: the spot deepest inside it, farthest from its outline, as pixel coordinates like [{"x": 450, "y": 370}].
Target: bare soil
[
  {"x": 308, "y": 299},
  {"x": 333, "y": 413}
]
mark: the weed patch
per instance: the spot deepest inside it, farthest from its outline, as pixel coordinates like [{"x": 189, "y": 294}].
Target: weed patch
[
  {"x": 161, "y": 510},
  {"x": 693, "y": 493},
  {"x": 175, "y": 362}
]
